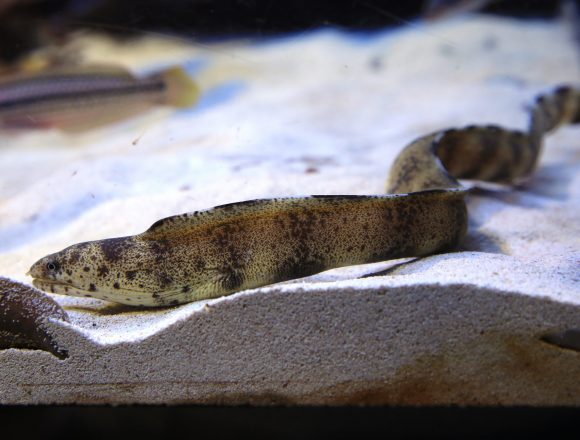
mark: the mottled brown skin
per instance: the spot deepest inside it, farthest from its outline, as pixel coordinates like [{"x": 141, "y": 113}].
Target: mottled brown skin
[
  {"x": 488, "y": 153},
  {"x": 243, "y": 245},
  {"x": 24, "y": 312}
]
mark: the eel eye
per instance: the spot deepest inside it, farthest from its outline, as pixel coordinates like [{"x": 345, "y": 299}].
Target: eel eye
[{"x": 52, "y": 266}]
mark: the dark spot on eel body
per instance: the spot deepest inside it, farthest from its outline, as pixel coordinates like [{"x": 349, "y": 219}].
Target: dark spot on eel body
[
  {"x": 113, "y": 248},
  {"x": 74, "y": 257},
  {"x": 164, "y": 280},
  {"x": 102, "y": 271},
  {"x": 160, "y": 248}
]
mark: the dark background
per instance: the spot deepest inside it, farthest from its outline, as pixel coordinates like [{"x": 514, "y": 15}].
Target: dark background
[
  {"x": 258, "y": 17},
  {"x": 26, "y": 24}
]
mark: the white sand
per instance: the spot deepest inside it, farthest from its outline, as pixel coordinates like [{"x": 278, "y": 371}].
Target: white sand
[{"x": 320, "y": 113}]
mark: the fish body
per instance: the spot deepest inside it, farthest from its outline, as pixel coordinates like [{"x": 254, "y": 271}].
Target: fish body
[
  {"x": 86, "y": 97},
  {"x": 243, "y": 245}
]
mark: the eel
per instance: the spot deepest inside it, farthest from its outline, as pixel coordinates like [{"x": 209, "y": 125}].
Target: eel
[
  {"x": 84, "y": 97},
  {"x": 228, "y": 248},
  {"x": 24, "y": 312}
]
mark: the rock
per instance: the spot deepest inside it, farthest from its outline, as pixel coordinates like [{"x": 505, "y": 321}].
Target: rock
[{"x": 24, "y": 314}]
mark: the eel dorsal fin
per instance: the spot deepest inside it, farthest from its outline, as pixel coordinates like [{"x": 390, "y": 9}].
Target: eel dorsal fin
[{"x": 182, "y": 223}]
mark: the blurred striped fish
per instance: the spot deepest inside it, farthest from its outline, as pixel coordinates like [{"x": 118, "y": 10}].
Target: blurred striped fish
[
  {"x": 438, "y": 9},
  {"x": 86, "y": 97}
]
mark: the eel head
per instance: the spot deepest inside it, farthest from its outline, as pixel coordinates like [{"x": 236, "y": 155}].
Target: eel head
[{"x": 116, "y": 269}]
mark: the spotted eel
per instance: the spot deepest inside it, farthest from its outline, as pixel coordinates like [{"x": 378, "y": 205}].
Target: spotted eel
[{"x": 228, "y": 248}]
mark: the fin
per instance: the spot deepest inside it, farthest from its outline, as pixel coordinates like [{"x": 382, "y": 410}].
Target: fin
[
  {"x": 182, "y": 90},
  {"x": 180, "y": 224}
]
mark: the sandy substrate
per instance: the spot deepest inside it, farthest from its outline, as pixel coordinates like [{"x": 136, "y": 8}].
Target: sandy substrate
[{"x": 318, "y": 113}]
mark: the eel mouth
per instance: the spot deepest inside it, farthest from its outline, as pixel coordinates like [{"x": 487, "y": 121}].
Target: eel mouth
[
  {"x": 131, "y": 297},
  {"x": 121, "y": 296},
  {"x": 58, "y": 287}
]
